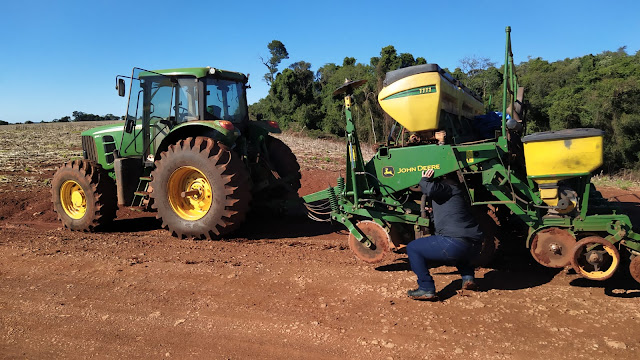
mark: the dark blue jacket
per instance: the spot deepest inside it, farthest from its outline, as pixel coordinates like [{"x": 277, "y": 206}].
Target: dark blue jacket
[{"x": 451, "y": 211}]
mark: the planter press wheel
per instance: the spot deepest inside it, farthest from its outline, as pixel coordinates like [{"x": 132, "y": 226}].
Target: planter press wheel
[
  {"x": 378, "y": 237},
  {"x": 595, "y": 258},
  {"x": 553, "y": 247}
]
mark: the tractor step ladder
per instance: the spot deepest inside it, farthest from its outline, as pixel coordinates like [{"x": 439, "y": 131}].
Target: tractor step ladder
[{"x": 141, "y": 192}]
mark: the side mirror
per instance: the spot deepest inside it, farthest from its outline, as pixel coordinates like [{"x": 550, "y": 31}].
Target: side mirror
[
  {"x": 121, "y": 87},
  {"x": 259, "y": 117},
  {"x": 129, "y": 125}
]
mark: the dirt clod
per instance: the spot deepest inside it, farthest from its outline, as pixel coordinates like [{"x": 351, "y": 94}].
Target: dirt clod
[{"x": 616, "y": 344}]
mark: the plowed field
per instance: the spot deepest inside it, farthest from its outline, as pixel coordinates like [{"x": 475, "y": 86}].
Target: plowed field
[{"x": 278, "y": 288}]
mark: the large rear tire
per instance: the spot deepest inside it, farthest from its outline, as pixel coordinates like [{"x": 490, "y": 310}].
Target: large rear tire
[
  {"x": 284, "y": 162},
  {"x": 83, "y": 195},
  {"x": 200, "y": 189}
]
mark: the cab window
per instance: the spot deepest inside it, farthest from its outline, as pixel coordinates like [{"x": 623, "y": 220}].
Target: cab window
[
  {"x": 225, "y": 101},
  {"x": 187, "y": 100}
]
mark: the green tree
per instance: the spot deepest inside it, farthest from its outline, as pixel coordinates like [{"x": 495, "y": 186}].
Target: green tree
[
  {"x": 324, "y": 73},
  {"x": 471, "y": 65},
  {"x": 292, "y": 98},
  {"x": 406, "y": 60},
  {"x": 278, "y": 53},
  {"x": 349, "y": 61},
  {"x": 78, "y": 115},
  {"x": 365, "y": 99},
  {"x": 387, "y": 61},
  {"x": 300, "y": 66}
]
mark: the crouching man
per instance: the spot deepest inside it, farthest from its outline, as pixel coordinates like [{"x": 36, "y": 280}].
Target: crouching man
[{"x": 457, "y": 240}]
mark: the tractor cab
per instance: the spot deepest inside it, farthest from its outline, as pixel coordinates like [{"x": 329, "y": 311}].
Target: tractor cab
[{"x": 162, "y": 100}]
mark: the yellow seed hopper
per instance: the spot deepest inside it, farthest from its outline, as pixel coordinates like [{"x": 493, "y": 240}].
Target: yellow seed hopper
[
  {"x": 562, "y": 154},
  {"x": 417, "y": 96},
  {"x": 557, "y": 155}
]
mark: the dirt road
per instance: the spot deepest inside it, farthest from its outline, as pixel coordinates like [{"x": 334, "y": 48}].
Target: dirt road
[{"x": 280, "y": 288}]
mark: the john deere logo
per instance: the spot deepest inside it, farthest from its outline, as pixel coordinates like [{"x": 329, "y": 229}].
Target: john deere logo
[{"x": 388, "y": 171}]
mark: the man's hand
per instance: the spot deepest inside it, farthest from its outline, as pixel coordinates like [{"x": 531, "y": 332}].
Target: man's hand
[{"x": 427, "y": 173}]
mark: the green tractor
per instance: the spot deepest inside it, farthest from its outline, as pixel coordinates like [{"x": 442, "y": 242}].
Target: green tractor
[
  {"x": 187, "y": 150},
  {"x": 541, "y": 181}
]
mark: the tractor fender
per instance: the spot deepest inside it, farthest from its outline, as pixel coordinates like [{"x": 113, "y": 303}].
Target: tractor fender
[
  {"x": 208, "y": 128},
  {"x": 264, "y": 127}
]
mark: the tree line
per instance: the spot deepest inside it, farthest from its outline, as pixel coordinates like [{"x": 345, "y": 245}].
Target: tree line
[
  {"x": 81, "y": 116},
  {"x": 75, "y": 116},
  {"x": 600, "y": 91}
]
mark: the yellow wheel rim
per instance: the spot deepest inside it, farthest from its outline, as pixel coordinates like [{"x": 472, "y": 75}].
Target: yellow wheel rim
[
  {"x": 190, "y": 194},
  {"x": 598, "y": 275},
  {"x": 73, "y": 199}
]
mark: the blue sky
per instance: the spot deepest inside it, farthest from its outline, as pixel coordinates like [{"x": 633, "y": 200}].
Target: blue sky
[{"x": 62, "y": 56}]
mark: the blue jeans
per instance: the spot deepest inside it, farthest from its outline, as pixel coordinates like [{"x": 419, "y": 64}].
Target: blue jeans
[{"x": 443, "y": 250}]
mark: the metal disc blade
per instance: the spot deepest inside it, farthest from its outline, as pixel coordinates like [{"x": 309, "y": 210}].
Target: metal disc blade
[
  {"x": 349, "y": 86},
  {"x": 379, "y": 238}
]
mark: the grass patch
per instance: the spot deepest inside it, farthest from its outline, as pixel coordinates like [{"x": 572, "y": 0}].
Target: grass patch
[{"x": 625, "y": 180}]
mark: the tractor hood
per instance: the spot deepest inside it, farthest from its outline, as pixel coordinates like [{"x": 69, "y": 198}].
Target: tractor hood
[
  {"x": 100, "y": 143},
  {"x": 111, "y": 129}
]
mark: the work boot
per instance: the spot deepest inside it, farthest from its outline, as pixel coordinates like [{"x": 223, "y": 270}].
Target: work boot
[
  {"x": 469, "y": 284},
  {"x": 419, "y": 294}
]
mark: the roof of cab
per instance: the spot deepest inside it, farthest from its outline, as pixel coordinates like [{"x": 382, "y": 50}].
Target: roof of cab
[{"x": 200, "y": 72}]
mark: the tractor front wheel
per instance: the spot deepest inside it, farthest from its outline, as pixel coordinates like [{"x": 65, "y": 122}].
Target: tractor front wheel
[
  {"x": 83, "y": 195},
  {"x": 200, "y": 189}
]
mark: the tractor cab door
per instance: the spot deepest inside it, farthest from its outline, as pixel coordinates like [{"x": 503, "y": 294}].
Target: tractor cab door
[
  {"x": 183, "y": 107},
  {"x": 150, "y": 102},
  {"x": 156, "y": 104},
  {"x": 161, "y": 113}
]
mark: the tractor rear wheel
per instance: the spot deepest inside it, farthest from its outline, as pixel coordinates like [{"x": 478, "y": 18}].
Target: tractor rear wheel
[
  {"x": 200, "y": 189},
  {"x": 83, "y": 195},
  {"x": 284, "y": 162}
]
